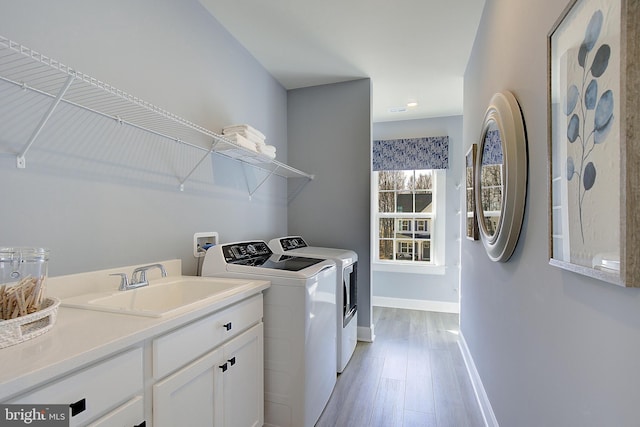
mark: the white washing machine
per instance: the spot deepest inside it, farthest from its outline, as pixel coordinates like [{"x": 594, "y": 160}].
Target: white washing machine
[
  {"x": 346, "y": 289},
  {"x": 299, "y": 353}
]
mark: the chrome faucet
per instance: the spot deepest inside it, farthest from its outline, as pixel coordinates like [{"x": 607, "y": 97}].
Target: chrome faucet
[{"x": 138, "y": 277}]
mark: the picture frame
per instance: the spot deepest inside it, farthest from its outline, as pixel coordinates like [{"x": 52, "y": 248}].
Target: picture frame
[
  {"x": 594, "y": 140},
  {"x": 471, "y": 220}
]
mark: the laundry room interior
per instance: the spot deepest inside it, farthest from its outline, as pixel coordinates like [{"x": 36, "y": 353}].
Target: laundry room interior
[{"x": 146, "y": 146}]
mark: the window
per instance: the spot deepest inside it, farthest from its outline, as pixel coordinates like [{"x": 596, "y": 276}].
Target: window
[
  {"x": 405, "y": 215},
  {"x": 408, "y": 194}
]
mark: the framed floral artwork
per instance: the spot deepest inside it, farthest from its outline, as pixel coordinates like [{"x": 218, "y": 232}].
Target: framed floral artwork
[{"x": 594, "y": 133}]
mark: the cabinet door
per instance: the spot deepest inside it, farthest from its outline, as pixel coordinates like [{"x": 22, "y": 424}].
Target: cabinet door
[
  {"x": 192, "y": 396},
  {"x": 244, "y": 380}
]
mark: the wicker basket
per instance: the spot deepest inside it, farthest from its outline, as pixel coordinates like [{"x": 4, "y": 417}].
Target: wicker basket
[{"x": 24, "y": 328}]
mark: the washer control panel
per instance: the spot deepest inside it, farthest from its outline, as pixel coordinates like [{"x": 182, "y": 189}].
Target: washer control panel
[
  {"x": 245, "y": 250},
  {"x": 289, "y": 243}
]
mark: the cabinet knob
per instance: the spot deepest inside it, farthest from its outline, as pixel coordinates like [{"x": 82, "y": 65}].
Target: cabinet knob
[
  {"x": 232, "y": 361},
  {"x": 223, "y": 367},
  {"x": 227, "y": 326},
  {"x": 78, "y": 407}
]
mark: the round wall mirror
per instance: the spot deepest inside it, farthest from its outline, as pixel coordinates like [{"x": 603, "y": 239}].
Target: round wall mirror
[{"x": 501, "y": 176}]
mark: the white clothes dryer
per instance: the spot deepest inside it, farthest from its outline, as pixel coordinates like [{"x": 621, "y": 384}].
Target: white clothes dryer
[
  {"x": 346, "y": 289},
  {"x": 299, "y": 353}
]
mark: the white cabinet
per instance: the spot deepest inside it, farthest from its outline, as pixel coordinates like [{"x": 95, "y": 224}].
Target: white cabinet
[
  {"x": 110, "y": 386},
  {"x": 243, "y": 381},
  {"x": 208, "y": 372},
  {"x": 223, "y": 387}
]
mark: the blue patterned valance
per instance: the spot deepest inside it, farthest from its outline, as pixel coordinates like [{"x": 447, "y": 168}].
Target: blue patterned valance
[
  {"x": 492, "y": 149},
  {"x": 411, "y": 153}
]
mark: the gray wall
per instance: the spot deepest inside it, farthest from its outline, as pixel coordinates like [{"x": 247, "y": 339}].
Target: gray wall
[
  {"x": 432, "y": 287},
  {"x": 330, "y": 136},
  {"x": 99, "y": 197},
  {"x": 553, "y": 348}
]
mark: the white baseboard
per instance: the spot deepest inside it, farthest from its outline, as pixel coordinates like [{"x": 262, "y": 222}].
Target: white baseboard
[
  {"x": 366, "y": 333},
  {"x": 478, "y": 388},
  {"x": 413, "y": 304}
]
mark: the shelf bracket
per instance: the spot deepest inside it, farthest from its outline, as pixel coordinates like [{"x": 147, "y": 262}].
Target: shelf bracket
[
  {"x": 266, "y": 178},
  {"x": 207, "y": 154},
  {"x": 293, "y": 195},
  {"x": 21, "y": 161}
]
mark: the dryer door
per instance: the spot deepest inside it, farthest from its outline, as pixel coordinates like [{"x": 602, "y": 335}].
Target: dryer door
[{"x": 349, "y": 292}]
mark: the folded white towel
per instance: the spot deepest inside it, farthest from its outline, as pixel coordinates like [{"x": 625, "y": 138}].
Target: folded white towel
[
  {"x": 246, "y": 129},
  {"x": 266, "y": 149},
  {"x": 251, "y": 137},
  {"x": 241, "y": 141}
]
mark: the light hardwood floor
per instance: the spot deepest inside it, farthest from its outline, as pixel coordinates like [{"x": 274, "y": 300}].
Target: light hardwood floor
[{"x": 412, "y": 375}]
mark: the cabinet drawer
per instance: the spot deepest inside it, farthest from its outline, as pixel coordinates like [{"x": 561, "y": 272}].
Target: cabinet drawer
[
  {"x": 97, "y": 388},
  {"x": 177, "y": 348},
  {"x": 129, "y": 414}
]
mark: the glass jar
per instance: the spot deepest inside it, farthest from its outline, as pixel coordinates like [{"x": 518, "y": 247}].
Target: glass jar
[{"x": 17, "y": 264}]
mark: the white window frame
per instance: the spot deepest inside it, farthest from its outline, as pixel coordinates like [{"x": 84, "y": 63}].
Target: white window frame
[{"x": 438, "y": 223}]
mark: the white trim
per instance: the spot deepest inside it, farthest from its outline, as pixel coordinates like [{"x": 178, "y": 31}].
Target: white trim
[
  {"x": 414, "y": 304},
  {"x": 409, "y": 268},
  {"x": 439, "y": 240},
  {"x": 365, "y": 333},
  {"x": 483, "y": 400}
]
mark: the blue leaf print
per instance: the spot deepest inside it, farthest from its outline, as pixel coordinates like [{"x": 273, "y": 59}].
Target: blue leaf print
[
  {"x": 591, "y": 95},
  {"x": 582, "y": 55},
  {"x": 571, "y": 169},
  {"x": 573, "y": 130},
  {"x": 572, "y": 99},
  {"x": 593, "y": 30},
  {"x": 587, "y": 92},
  {"x": 601, "y": 60},
  {"x": 603, "y": 119},
  {"x": 589, "y": 177}
]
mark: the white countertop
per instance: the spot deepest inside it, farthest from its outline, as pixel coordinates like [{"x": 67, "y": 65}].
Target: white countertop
[{"x": 81, "y": 337}]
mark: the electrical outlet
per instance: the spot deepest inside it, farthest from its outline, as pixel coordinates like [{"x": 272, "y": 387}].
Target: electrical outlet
[{"x": 201, "y": 241}]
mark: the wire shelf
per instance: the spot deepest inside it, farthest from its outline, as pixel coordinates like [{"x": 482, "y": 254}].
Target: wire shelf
[{"x": 37, "y": 73}]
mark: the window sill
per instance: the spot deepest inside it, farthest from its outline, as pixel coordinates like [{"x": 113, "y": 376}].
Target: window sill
[{"x": 410, "y": 268}]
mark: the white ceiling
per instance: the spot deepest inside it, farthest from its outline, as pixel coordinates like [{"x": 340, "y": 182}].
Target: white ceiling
[{"x": 411, "y": 49}]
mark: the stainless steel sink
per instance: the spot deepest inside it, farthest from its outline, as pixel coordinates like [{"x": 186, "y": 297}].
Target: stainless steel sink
[{"x": 162, "y": 296}]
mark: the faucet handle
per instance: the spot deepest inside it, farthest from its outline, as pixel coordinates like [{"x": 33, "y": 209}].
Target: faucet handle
[
  {"x": 143, "y": 276},
  {"x": 124, "y": 282}
]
